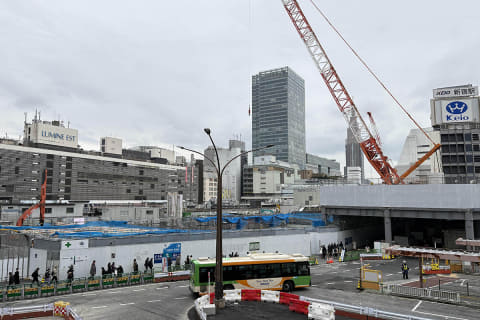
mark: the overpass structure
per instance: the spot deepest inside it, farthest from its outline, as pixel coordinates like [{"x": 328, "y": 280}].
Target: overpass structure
[{"x": 441, "y": 202}]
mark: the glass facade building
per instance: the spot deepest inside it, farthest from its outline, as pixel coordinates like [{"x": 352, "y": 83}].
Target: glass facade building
[{"x": 278, "y": 115}]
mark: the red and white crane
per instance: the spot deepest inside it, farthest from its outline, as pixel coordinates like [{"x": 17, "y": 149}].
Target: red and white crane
[{"x": 369, "y": 144}]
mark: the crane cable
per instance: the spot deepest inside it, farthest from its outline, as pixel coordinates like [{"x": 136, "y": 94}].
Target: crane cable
[{"x": 371, "y": 71}]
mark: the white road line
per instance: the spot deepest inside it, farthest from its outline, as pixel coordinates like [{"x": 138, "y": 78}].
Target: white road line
[
  {"x": 99, "y": 307},
  {"x": 389, "y": 275},
  {"x": 180, "y": 298},
  {"x": 182, "y": 286},
  {"x": 114, "y": 292},
  {"x": 154, "y": 301},
  {"x": 348, "y": 281},
  {"x": 416, "y": 268},
  {"x": 314, "y": 285},
  {"x": 139, "y": 290},
  {"x": 334, "y": 272},
  {"x": 399, "y": 272},
  {"x": 160, "y": 288},
  {"x": 441, "y": 315},
  {"x": 463, "y": 281},
  {"x": 127, "y": 304},
  {"x": 347, "y": 270},
  {"x": 417, "y": 305},
  {"x": 89, "y": 294},
  {"x": 330, "y": 283}
]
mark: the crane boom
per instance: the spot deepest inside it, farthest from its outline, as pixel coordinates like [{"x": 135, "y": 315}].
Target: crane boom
[
  {"x": 40, "y": 204},
  {"x": 362, "y": 134}
]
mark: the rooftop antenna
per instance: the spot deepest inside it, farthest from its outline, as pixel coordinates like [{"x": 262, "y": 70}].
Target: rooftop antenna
[
  {"x": 25, "y": 117},
  {"x": 39, "y": 113},
  {"x": 36, "y": 114}
]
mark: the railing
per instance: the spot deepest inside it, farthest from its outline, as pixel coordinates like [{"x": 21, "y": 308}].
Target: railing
[
  {"x": 27, "y": 291},
  {"x": 440, "y": 295},
  {"x": 19, "y": 310}
]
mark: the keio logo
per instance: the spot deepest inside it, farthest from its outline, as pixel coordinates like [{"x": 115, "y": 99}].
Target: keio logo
[{"x": 456, "y": 107}]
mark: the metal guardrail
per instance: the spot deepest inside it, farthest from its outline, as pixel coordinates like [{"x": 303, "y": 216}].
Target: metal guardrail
[
  {"x": 440, "y": 295},
  {"x": 365, "y": 310},
  {"x": 19, "y": 310}
]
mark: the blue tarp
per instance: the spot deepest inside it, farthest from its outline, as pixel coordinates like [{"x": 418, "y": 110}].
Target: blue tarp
[{"x": 271, "y": 220}]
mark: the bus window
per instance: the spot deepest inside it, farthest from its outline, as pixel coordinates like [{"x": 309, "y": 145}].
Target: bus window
[
  {"x": 244, "y": 272},
  {"x": 289, "y": 269},
  {"x": 276, "y": 270},
  {"x": 230, "y": 273},
  {"x": 303, "y": 268},
  {"x": 203, "y": 274}
]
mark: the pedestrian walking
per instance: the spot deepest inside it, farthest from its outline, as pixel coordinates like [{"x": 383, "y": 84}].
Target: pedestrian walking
[
  {"x": 35, "y": 277},
  {"x": 135, "y": 265},
  {"x": 109, "y": 268},
  {"x": 104, "y": 272},
  {"x": 93, "y": 269},
  {"x": 145, "y": 264},
  {"x": 16, "y": 277},
  {"x": 405, "y": 269},
  {"x": 119, "y": 271},
  {"x": 46, "y": 277},
  {"x": 11, "y": 280},
  {"x": 150, "y": 264},
  {"x": 70, "y": 273},
  {"x": 54, "y": 274}
]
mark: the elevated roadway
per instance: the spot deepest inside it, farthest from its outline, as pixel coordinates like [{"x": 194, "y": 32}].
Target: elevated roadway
[{"x": 447, "y": 202}]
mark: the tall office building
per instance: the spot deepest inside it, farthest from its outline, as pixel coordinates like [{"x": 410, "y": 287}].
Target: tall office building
[
  {"x": 278, "y": 115},
  {"x": 456, "y": 115},
  {"x": 353, "y": 154}
]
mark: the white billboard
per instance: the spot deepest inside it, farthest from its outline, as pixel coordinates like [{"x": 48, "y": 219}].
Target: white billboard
[
  {"x": 460, "y": 110},
  {"x": 46, "y": 133},
  {"x": 459, "y": 91}
]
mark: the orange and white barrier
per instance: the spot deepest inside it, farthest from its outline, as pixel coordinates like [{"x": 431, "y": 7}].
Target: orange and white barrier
[
  {"x": 60, "y": 308},
  {"x": 321, "y": 311},
  {"x": 270, "y": 296},
  {"x": 234, "y": 295}
]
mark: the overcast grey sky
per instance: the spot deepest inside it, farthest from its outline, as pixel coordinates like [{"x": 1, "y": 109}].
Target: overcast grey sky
[{"x": 158, "y": 72}]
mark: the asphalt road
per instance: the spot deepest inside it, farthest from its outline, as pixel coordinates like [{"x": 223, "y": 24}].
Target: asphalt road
[{"x": 334, "y": 282}]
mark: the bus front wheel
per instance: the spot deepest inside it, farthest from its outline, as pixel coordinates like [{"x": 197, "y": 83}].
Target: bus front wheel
[{"x": 288, "y": 286}]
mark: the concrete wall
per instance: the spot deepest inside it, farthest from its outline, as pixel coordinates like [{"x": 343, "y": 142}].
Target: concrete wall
[{"x": 442, "y": 196}]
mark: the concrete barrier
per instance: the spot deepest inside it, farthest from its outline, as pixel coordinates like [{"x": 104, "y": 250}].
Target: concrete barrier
[{"x": 270, "y": 296}]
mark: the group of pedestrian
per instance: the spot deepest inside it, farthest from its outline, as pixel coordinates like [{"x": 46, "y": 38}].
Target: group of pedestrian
[
  {"x": 332, "y": 250},
  {"x": 148, "y": 264},
  {"x": 14, "y": 278},
  {"x": 111, "y": 270},
  {"x": 231, "y": 255}
]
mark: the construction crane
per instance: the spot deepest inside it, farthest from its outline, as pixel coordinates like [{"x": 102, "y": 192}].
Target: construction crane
[
  {"x": 369, "y": 144},
  {"x": 40, "y": 204}
]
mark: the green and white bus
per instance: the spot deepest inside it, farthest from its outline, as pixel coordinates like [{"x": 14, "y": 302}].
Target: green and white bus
[{"x": 272, "y": 271}]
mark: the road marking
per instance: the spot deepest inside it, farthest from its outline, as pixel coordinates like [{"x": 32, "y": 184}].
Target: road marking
[
  {"x": 179, "y": 298},
  {"x": 463, "y": 281},
  {"x": 417, "y": 305},
  {"x": 334, "y": 272},
  {"x": 441, "y": 316},
  {"x": 347, "y": 270},
  {"x": 182, "y": 286},
  {"x": 154, "y": 301},
  {"x": 139, "y": 290},
  {"x": 330, "y": 283},
  {"x": 99, "y": 307},
  {"x": 160, "y": 288},
  {"x": 127, "y": 304},
  {"x": 89, "y": 294},
  {"x": 416, "y": 268},
  {"x": 399, "y": 272},
  {"x": 348, "y": 281},
  {"x": 114, "y": 292},
  {"x": 389, "y": 275},
  {"x": 314, "y": 285}
]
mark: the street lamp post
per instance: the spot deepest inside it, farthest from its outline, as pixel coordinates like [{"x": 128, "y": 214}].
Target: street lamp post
[{"x": 219, "y": 300}]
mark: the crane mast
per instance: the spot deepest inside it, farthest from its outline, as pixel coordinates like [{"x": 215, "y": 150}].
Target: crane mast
[{"x": 368, "y": 143}]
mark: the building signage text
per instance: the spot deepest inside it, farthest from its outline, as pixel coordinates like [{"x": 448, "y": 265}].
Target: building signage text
[
  {"x": 59, "y": 136},
  {"x": 461, "y": 91}
]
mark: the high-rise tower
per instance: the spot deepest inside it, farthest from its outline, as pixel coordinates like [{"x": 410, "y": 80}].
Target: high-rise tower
[
  {"x": 278, "y": 114},
  {"x": 353, "y": 154}
]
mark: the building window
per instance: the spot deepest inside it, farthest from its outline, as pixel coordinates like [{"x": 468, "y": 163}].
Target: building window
[
  {"x": 17, "y": 170},
  {"x": 48, "y": 210},
  {"x": 69, "y": 210},
  {"x": 149, "y": 212}
]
